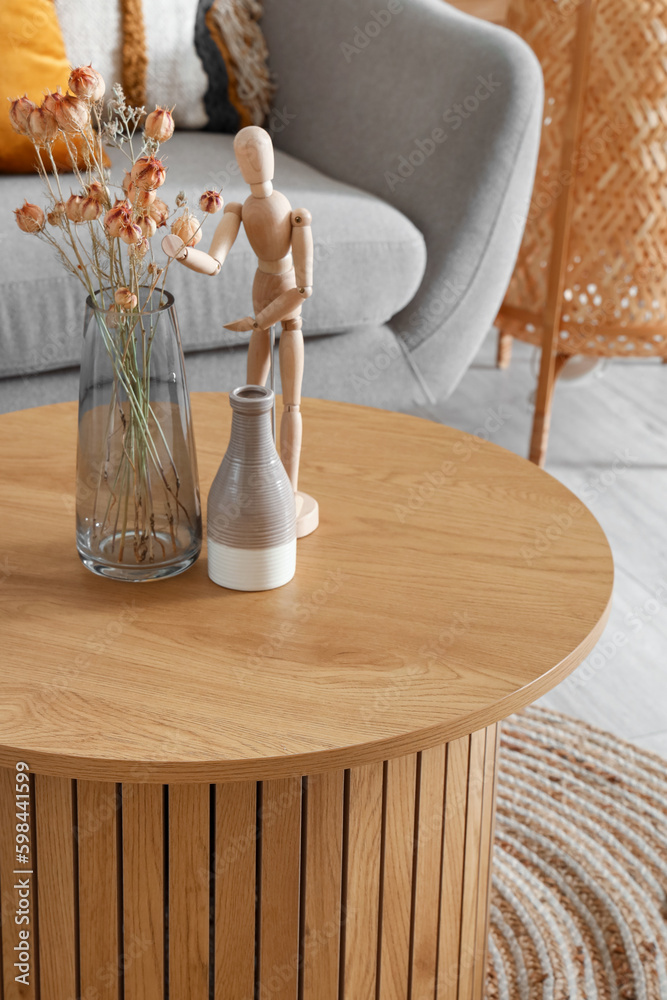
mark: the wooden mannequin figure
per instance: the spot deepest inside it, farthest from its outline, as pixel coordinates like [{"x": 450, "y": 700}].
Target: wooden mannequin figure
[{"x": 283, "y": 281}]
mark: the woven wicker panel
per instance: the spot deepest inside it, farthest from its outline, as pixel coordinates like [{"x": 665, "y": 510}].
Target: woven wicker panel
[{"x": 615, "y": 299}]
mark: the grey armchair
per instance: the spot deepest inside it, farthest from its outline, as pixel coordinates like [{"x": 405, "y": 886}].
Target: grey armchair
[
  {"x": 366, "y": 101},
  {"x": 410, "y": 131}
]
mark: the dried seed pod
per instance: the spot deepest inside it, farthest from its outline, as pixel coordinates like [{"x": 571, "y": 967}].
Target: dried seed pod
[
  {"x": 72, "y": 114},
  {"x": 98, "y": 191},
  {"x": 125, "y": 298},
  {"x": 19, "y": 112},
  {"x": 142, "y": 199},
  {"x": 129, "y": 231},
  {"x": 147, "y": 225},
  {"x": 148, "y": 173},
  {"x": 159, "y": 125},
  {"x": 74, "y": 208},
  {"x": 29, "y": 218},
  {"x": 42, "y": 126},
  {"x": 86, "y": 83},
  {"x": 56, "y": 215},
  {"x": 187, "y": 228},
  {"x": 211, "y": 202},
  {"x": 159, "y": 211},
  {"x": 53, "y": 100},
  {"x": 91, "y": 209},
  {"x": 116, "y": 216}
]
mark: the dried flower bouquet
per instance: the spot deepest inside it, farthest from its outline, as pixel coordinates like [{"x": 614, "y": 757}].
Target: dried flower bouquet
[{"x": 103, "y": 236}]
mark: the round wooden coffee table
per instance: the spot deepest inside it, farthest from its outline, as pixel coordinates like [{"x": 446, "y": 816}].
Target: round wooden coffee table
[{"x": 291, "y": 793}]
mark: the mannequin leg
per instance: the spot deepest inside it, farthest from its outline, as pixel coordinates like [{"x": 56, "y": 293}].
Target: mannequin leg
[
  {"x": 291, "y": 374},
  {"x": 259, "y": 357}
]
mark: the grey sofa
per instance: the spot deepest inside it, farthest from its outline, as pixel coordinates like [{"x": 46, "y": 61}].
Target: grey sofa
[{"x": 410, "y": 131}]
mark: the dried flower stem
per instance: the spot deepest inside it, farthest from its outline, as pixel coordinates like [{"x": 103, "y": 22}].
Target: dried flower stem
[{"x": 138, "y": 483}]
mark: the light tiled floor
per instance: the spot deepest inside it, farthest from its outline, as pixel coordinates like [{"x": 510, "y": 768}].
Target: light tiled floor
[{"x": 609, "y": 446}]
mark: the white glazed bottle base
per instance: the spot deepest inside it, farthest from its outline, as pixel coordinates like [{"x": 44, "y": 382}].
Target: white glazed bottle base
[{"x": 251, "y": 569}]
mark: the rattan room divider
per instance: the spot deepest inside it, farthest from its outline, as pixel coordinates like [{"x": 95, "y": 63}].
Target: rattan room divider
[{"x": 591, "y": 277}]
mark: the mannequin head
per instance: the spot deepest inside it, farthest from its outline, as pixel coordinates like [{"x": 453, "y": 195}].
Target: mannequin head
[{"x": 254, "y": 155}]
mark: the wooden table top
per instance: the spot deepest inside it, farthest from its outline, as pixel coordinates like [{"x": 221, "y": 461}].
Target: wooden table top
[{"x": 449, "y": 584}]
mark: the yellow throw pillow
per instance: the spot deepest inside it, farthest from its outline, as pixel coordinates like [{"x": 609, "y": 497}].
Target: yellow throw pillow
[{"x": 33, "y": 62}]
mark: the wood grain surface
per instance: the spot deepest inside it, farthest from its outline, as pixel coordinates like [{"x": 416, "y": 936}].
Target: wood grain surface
[
  {"x": 321, "y": 892},
  {"x": 398, "y": 857},
  {"x": 453, "y": 860},
  {"x": 144, "y": 896},
  {"x": 485, "y": 860},
  {"x": 343, "y": 885},
  {"x": 97, "y": 890},
  {"x": 362, "y": 902},
  {"x": 449, "y": 584},
  {"x": 189, "y": 879},
  {"x": 426, "y": 891},
  {"x": 56, "y": 892},
  {"x": 471, "y": 864},
  {"x": 235, "y": 877},
  {"x": 280, "y": 889}
]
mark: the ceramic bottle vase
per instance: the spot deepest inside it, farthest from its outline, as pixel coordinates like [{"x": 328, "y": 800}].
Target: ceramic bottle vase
[{"x": 251, "y": 511}]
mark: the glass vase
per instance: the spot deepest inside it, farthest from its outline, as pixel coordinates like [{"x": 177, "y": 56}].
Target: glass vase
[{"x": 138, "y": 507}]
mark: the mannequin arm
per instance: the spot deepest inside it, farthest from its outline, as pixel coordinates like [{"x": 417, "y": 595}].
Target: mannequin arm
[
  {"x": 276, "y": 311},
  {"x": 279, "y": 309},
  {"x": 222, "y": 242},
  {"x": 225, "y": 235},
  {"x": 302, "y": 250}
]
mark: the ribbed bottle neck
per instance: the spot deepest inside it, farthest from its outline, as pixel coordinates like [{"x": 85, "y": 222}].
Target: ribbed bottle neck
[{"x": 251, "y": 434}]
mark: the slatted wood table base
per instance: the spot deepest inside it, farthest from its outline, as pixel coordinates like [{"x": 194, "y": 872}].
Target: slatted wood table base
[
  {"x": 307, "y": 888},
  {"x": 285, "y": 795}
]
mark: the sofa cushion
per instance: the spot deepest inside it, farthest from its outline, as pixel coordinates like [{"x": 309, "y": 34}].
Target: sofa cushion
[
  {"x": 33, "y": 59},
  {"x": 206, "y": 58},
  {"x": 369, "y": 260}
]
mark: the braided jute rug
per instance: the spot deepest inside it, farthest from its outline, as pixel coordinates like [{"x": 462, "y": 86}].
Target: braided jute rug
[{"x": 579, "y": 898}]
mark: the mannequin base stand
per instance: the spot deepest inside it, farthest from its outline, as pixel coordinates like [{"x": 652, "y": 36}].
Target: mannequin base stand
[{"x": 307, "y": 514}]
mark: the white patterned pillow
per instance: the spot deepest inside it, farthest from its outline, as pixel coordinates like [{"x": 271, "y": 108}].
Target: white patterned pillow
[{"x": 207, "y": 58}]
